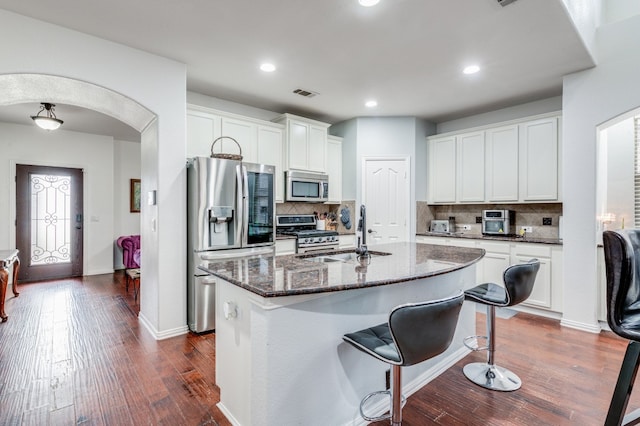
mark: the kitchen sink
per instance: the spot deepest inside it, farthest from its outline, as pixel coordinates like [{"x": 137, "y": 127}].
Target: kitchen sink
[{"x": 347, "y": 257}]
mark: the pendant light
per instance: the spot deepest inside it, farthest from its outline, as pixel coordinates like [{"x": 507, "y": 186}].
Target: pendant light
[{"x": 48, "y": 122}]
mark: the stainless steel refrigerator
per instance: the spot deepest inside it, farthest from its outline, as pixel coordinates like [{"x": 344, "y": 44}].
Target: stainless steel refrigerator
[{"x": 230, "y": 213}]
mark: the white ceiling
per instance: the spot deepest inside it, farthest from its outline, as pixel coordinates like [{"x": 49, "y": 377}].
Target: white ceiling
[{"x": 407, "y": 54}]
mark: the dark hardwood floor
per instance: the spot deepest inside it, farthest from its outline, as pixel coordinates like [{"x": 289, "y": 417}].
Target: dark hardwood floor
[{"x": 73, "y": 352}]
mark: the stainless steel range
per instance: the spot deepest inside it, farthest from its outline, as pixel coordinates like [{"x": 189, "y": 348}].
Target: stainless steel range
[{"x": 308, "y": 238}]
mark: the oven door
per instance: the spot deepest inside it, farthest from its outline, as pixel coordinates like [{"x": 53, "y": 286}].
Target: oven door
[{"x": 321, "y": 247}]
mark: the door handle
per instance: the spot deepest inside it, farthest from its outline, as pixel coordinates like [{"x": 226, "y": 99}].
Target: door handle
[
  {"x": 79, "y": 221},
  {"x": 371, "y": 231}
]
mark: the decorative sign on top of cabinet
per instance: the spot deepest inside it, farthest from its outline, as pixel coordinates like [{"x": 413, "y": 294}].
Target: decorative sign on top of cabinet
[
  {"x": 261, "y": 141},
  {"x": 305, "y": 143},
  {"x": 512, "y": 162}
]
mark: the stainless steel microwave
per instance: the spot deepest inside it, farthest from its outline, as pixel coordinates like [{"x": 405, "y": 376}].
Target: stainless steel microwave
[
  {"x": 498, "y": 222},
  {"x": 306, "y": 186}
]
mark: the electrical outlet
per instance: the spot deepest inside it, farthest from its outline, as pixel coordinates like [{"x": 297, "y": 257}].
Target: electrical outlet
[
  {"x": 527, "y": 228},
  {"x": 452, "y": 218},
  {"x": 546, "y": 221},
  {"x": 478, "y": 219},
  {"x": 466, "y": 227}
]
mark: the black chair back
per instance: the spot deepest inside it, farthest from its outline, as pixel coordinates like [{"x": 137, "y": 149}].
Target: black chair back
[
  {"x": 621, "y": 251},
  {"x": 424, "y": 330},
  {"x": 519, "y": 280}
]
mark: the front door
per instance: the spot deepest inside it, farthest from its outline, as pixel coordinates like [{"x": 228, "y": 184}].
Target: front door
[
  {"x": 386, "y": 197},
  {"x": 49, "y": 222}
]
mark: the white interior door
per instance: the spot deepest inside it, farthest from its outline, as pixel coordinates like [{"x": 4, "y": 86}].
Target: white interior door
[{"x": 386, "y": 197}]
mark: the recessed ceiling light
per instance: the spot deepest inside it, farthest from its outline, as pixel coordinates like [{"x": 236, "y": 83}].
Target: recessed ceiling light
[
  {"x": 268, "y": 67},
  {"x": 368, "y": 3},
  {"x": 371, "y": 104},
  {"x": 471, "y": 69}
]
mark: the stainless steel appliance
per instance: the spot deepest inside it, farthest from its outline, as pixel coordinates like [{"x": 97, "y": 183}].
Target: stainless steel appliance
[
  {"x": 498, "y": 222},
  {"x": 230, "y": 213},
  {"x": 308, "y": 238},
  {"x": 444, "y": 226},
  {"x": 304, "y": 186}
]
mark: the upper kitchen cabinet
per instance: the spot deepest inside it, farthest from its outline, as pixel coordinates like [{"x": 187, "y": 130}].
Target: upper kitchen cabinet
[
  {"x": 261, "y": 141},
  {"x": 470, "y": 167},
  {"x": 334, "y": 168},
  {"x": 305, "y": 143},
  {"x": 514, "y": 162},
  {"x": 270, "y": 141},
  {"x": 539, "y": 160},
  {"x": 442, "y": 170},
  {"x": 502, "y": 164},
  {"x": 242, "y": 131},
  {"x": 202, "y": 129}
]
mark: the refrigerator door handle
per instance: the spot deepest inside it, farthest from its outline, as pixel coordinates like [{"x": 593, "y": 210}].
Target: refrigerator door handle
[
  {"x": 239, "y": 237},
  {"x": 245, "y": 206},
  {"x": 208, "y": 279}
]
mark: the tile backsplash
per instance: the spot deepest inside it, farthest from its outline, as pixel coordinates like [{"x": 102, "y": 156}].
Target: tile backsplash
[
  {"x": 465, "y": 214},
  {"x": 310, "y": 208}
]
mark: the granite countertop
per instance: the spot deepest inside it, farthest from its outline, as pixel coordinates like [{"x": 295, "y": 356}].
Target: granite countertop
[
  {"x": 270, "y": 276},
  {"x": 512, "y": 238}
]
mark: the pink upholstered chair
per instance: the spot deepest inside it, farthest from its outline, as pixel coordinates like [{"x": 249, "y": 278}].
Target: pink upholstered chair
[{"x": 130, "y": 245}]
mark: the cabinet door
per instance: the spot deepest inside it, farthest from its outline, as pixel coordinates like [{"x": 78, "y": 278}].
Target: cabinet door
[
  {"x": 470, "y": 176},
  {"x": 541, "y": 294},
  {"x": 287, "y": 246},
  {"x": 442, "y": 170},
  {"x": 334, "y": 169},
  {"x": 493, "y": 266},
  {"x": 539, "y": 160},
  {"x": 347, "y": 241},
  {"x": 270, "y": 152},
  {"x": 297, "y": 152},
  {"x": 502, "y": 164},
  {"x": 317, "y": 149},
  {"x": 202, "y": 129},
  {"x": 245, "y": 133}
]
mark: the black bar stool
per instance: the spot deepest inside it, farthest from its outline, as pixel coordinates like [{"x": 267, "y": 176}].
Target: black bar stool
[
  {"x": 414, "y": 333},
  {"x": 622, "y": 263},
  {"x": 518, "y": 284}
]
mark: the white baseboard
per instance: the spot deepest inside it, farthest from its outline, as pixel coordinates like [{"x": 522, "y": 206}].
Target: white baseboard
[
  {"x": 98, "y": 272},
  {"x": 161, "y": 335},
  {"x": 591, "y": 328},
  {"x": 228, "y": 414}
]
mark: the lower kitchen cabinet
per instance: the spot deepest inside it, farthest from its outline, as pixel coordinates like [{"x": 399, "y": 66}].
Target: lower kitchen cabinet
[
  {"x": 499, "y": 255},
  {"x": 286, "y": 246},
  {"x": 347, "y": 241}
]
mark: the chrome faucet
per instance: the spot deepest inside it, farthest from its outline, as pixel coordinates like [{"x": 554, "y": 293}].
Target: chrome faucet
[{"x": 361, "y": 250}]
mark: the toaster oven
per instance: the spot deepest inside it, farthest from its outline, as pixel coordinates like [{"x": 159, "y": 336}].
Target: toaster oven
[
  {"x": 443, "y": 226},
  {"x": 498, "y": 222}
]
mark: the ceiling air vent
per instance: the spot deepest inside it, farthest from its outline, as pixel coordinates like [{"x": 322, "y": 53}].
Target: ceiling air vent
[
  {"x": 503, "y": 3},
  {"x": 305, "y": 93}
]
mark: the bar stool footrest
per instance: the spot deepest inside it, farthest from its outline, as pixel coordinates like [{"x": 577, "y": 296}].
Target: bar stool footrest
[
  {"x": 384, "y": 416},
  {"x": 476, "y": 347}
]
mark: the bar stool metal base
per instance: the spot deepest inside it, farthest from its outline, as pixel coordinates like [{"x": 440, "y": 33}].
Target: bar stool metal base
[
  {"x": 492, "y": 376},
  {"x": 384, "y": 416}
]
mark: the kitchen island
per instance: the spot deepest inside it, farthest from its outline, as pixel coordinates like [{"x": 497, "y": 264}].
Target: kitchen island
[{"x": 280, "y": 358}]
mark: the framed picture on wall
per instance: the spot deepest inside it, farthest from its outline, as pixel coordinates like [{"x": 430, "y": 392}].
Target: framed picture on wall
[{"x": 134, "y": 196}]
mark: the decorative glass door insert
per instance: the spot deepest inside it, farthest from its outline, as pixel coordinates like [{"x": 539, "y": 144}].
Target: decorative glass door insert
[{"x": 50, "y": 219}]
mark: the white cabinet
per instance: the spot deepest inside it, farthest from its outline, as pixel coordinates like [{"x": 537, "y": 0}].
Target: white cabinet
[
  {"x": 202, "y": 129},
  {"x": 334, "y": 168},
  {"x": 516, "y": 162},
  {"x": 270, "y": 152},
  {"x": 470, "y": 167},
  {"x": 261, "y": 141},
  {"x": 502, "y": 164},
  {"x": 539, "y": 160},
  {"x": 286, "y": 246},
  {"x": 541, "y": 294},
  {"x": 347, "y": 241},
  {"x": 305, "y": 143},
  {"x": 243, "y": 132},
  {"x": 499, "y": 255},
  {"x": 442, "y": 170}
]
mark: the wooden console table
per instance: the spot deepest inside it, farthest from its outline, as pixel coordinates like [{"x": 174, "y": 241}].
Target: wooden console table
[{"x": 8, "y": 258}]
